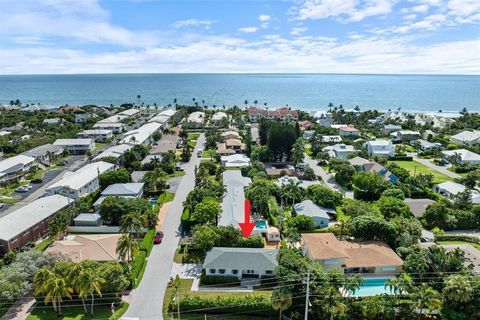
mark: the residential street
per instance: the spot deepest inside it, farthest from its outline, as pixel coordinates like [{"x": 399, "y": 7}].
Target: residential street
[
  {"x": 146, "y": 302},
  {"x": 327, "y": 179},
  {"x": 434, "y": 166}
]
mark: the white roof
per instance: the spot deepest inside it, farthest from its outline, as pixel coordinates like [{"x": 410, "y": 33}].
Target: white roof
[
  {"x": 451, "y": 187},
  {"x": 219, "y": 116},
  {"x": 379, "y": 142},
  {"x": 26, "y": 217},
  {"x": 76, "y": 180},
  {"x": 4, "y": 133},
  {"x": 196, "y": 116},
  {"x": 115, "y": 151},
  {"x": 162, "y": 119},
  {"x": 114, "y": 119},
  {"x": 168, "y": 112},
  {"x": 15, "y": 163},
  {"x": 467, "y": 136},
  {"x": 108, "y": 125},
  {"x": 235, "y": 160},
  {"x": 331, "y": 138},
  {"x": 340, "y": 147},
  {"x": 466, "y": 155},
  {"x": 71, "y": 142},
  {"x": 142, "y": 134},
  {"x": 129, "y": 112},
  {"x": 96, "y": 131}
]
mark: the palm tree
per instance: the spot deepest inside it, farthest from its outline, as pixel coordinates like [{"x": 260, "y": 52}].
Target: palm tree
[
  {"x": 400, "y": 285},
  {"x": 331, "y": 303},
  {"x": 246, "y": 103},
  {"x": 353, "y": 283},
  {"x": 127, "y": 247},
  {"x": 54, "y": 288},
  {"x": 90, "y": 283},
  {"x": 133, "y": 222},
  {"x": 426, "y": 297},
  {"x": 292, "y": 190},
  {"x": 255, "y": 102},
  {"x": 73, "y": 276},
  {"x": 281, "y": 300}
]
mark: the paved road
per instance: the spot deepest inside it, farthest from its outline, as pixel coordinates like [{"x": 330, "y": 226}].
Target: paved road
[
  {"x": 146, "y": 302},
  {"x": 327, "y": 178},
  {"x": 74, "y": 162},
  {"x": 433, "y": 166}
]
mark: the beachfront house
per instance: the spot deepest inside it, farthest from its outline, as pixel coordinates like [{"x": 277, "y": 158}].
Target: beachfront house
[
  {"x": 122, "y": 190},
  {"x": 81, "y": 182},
  {"x": 196, "y": 119},
  {"x": 91, "y": 247},
  {"x": 464, "y": 156},
  {"x": 405, "y": 135},
  {"x": 235, "y": 161},
  {"x": 450, "y": 189},
  {"x": 29, "y": 223},
  {"x": 130, "y": 113},
  {"x": 281, "y": 114},
  {"x": 243, "y": 263},
  {"x": 99, "y": 135},
  {"x": 220, "y": 119},
  {"x": 234, "y": 200},
  {"x": 45, "y": 154},
  {"x": 15, "y": 167},
  {"x": 340, "y": 151},
  {"x": 320, "y": 215},
  {"x": 466, "y": 138},
  {"x": 384, "y": 148},
  {"x": 76, "y": 146},
  {"x": 351, "y": 256}
]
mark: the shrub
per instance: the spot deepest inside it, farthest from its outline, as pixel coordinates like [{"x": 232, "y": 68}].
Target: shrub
[
  {"x": 255, "y": 304},
  {"x": 137, "y": 266},
  {"x": 211, "y": 280},
  {"x": 402, "y": 158},
  {"x": 147, "y": 242},
  {"x": 185, "y": 220}
]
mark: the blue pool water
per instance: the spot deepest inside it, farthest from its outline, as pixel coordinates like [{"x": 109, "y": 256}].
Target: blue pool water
[
  {"x": 261, "y": 224},
  {"x": 372, "y": 287}
]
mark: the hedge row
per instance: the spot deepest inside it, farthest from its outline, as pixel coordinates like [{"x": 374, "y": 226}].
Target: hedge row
[
  {"x": 258, "y": 305},
  {"x": 147, "y": 242},
  {"x": 453, "y": 237},
  {"x": 185, "y": 220},
  {"x": 137, "y": 266},
  {"x": 209, "y": 280},
  {"x": 402, "y": 158}
]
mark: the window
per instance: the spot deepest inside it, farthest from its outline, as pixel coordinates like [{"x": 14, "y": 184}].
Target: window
[
  {"x": 26, "y": 233},
  {"x": 269, "y": 272},
  {"x": 14, "y": 240},
  {"x": 234, "y": 271},
  {"x": 221, "y": 271},
  {"x": 212, "y": 270}
]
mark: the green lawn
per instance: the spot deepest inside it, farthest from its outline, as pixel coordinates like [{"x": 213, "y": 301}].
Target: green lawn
[
  {"x": 417, "y": 167},
  {"x": 193, "y": 136},
  {"x": 99, "y": 145},
  {"x": 165, "y": 197},
  {"x": 5, "y": 199},
  {"x": 43, "y": 312},
  {"x": 476, "y": 245},
  {"x": 210, "y": 154},
  {"x": 192, "y": 143},
  {"x": 43, "y": 245},
  {"x": 176, "y": 174},
  {"x": 186, "y": 285}
]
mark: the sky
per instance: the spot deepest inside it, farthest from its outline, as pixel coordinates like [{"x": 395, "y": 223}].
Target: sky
[{"x": 193, "y": 36}]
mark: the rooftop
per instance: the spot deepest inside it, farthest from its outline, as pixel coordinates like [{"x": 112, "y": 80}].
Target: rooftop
[
  {"x": 310, "y": 209},
  {"x": 465, "y": 154},
  {"x": 69, "y": 142},
  {"x": 15, "y": 163},
  {"x": 241, "y": 258},
  {"x": 31, "y": 214},
  {"x": 418, "y": 206},
  {"x": 76, "y": 180},
  {"x": 467, "y": 136},
  {"x": 123, "y": 189},
  {"x": 42, "y": 150}
]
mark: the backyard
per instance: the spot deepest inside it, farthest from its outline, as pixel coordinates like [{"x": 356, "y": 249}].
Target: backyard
[{"x": 415, "y": 167}]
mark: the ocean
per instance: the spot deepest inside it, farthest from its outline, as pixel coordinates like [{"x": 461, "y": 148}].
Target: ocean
[{"x": 304, "y": 91}]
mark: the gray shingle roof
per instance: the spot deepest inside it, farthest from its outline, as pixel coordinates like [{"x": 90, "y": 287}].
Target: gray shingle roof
[
  {"x": 308, "y": 208},
  {"x": 123, "y": 189},
  {"x": 241, "y": 258}
]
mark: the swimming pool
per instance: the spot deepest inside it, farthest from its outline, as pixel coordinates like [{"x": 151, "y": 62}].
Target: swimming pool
[
  {"x": 372, "y": 287},
  {"x": 261, "y": 224}
]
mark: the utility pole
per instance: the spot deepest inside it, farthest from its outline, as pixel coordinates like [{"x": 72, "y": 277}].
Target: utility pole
[{"x": 306, "y": 296}]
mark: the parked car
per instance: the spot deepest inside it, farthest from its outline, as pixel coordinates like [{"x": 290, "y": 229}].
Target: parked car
[
  {"x": 39, "y": 180},
  {"x": 167, "y": 186},
  {"x": 63, "y": 163},
  {"x": 158, "y": 237},
  {"x": 29, "y": 187},
  {"x": 2, "y": 204},
  {"x": 22, "y": 189},
  {"x": 178, "y": 168}
]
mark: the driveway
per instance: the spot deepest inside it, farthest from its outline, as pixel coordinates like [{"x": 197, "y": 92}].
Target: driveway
[
  {"x": 186, "y": 270},
  {"x": 327, "y": 179},
  {"x": 433, "y": 166},
  {"x": 146, "y": 302}
]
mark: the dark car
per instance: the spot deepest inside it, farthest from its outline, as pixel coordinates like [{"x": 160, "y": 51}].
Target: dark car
[
  {"x": 158, "y": 237},
  {"x": 38, "y": 180}
]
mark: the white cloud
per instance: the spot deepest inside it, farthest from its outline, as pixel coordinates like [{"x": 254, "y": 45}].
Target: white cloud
[
  {"x": 298, "y": 30},
  {"x": 193, "y": 23},
  {"x": 248, "y": 29},
  {"x": 264, "y": 17},
  {"x": 350, "y": 10},
  {"x": 420, "y": 8}
]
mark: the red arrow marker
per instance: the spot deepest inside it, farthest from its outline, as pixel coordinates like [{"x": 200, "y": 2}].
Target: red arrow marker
[{"x": 247, "y": 226}]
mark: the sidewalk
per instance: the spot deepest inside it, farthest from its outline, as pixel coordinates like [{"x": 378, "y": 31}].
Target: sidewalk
[{"x": 20, "y": 309}]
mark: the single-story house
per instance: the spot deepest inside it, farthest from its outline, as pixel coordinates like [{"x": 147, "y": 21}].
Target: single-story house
[
  {"x": 466, "y": 156},
  {"x": 100, "y": 135},
  {"x": 383, "y": 148},
  {"x": 123, "y": 190},
  {"x": 94, "y": 247},
  {"x": 235, "y": 161},
  {"x": 234, "y": 200},
  {"x": 196, "y": 119},
  {"x": 218, "y": 117},
  {"x": 358, "y": 162},
  {"x": 275, "y": 171},
  {"x": 320, "y": 215},
  {"x": 81, "y": 182},
  {"x": 466, "y": 138},
  {"x": 381, "y": 170},
  {"x": 339, "y": 151},
  {"x": 76, "y": 146},
  {"x": 351, "y": 256},
  {"x": 29, "y": 223},
  {"x": 87, "y": 220},
  {"x": 450, "y": 189},
  {"x": 45, "y": 154},
  {"x": 241, "y": 262},
  {"x": 418, "y": 206},
  {"x": 405, "y": 135},
  {"x": 331, "y": 139},
  {"x": 427, "y": 145},
  {"x": 15, "y": 167},
  {"x": 230, "y": 135},
  {"x": 349, "y": 130}
]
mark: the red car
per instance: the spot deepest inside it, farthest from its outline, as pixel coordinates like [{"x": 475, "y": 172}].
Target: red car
[{"x": 158, "y": 237}]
